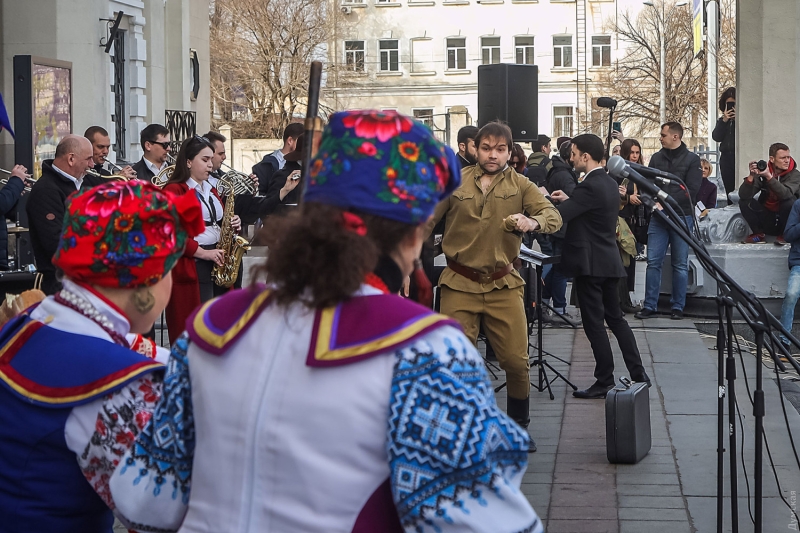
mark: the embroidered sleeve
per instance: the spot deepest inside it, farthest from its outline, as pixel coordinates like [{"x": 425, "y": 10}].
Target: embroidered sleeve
[
  {"x": 456, "y": 459},
  {"x": 102, "y": 431},
  {"x": 152, "y": 484}
]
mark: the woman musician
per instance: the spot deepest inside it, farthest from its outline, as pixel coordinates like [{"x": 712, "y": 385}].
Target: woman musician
[{"x": 192, "y": 279}]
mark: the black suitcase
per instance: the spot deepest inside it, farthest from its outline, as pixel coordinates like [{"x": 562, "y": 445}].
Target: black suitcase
[{"x": 628, "y": 422}]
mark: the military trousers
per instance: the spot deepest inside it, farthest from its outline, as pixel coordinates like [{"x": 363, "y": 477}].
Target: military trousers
[{"x": 502, "y": 312}]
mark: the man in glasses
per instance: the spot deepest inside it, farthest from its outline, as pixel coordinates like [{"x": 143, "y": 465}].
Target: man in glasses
[{"x": 155, "y": 142}]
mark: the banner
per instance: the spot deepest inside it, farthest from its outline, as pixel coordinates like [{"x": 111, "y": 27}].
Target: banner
[{"x": 697, "y": 25}]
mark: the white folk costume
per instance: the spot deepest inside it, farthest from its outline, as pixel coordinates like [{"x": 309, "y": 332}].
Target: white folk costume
[
  {"x": 73, "y": 394},
  {"x": 373, "y": 415}
]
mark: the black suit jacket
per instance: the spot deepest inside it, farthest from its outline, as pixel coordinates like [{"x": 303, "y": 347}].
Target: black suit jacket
[
  {"x": 9, "y": 195},
  {"x": 143, "y": 172},
  {"x": 46, "y": 208},
  {"x": 590, "y": 245}
]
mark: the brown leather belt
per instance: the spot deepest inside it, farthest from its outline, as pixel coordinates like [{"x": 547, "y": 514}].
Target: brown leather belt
[{"x": 477, "y": 276}]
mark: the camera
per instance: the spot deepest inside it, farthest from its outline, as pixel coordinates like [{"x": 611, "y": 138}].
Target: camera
[{"x": 761, "y": 165}]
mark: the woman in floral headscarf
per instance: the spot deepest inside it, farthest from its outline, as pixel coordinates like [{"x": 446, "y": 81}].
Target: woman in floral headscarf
[
  {"x": 73, "y": 395},
  {"x": 328, "y": 403}
]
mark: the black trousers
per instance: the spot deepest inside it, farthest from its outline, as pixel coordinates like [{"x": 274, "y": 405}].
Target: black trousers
[
  {"x": 727, "y": 167},
  {"x": 762, "y": 220},
  {"x": 599, "y": 299},
  {"x": 208, "y": 289}
]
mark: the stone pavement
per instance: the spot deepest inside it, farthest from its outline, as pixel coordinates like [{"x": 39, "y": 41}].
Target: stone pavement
[{"x": 573, "y": 487}]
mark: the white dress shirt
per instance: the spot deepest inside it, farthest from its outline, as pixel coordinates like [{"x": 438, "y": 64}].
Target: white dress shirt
[
  {"x": 153, "y": 168},
  {"x": 207, "y": 198},
  {"x": 77, "y": 181}
]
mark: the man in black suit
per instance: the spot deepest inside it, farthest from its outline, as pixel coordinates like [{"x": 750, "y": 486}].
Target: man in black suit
[
  {"x": 61, "y": 177},
  {"x": 590, "y": 254},
  {"x": 155, "y": 142}
]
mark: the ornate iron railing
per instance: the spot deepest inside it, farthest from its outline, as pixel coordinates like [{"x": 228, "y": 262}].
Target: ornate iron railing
[
  {"x": 181, "y": 126},
  {"x": 120, "y": 117}
]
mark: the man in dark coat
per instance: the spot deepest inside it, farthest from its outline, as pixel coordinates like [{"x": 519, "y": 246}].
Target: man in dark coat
[
  {"x": 266, "y": 169},
  {"x": 590, "y": 255},
  {"x": 61, "y": 177},
  {"x": 9, "y": 196},
  {"x": 675, "y": 158}
]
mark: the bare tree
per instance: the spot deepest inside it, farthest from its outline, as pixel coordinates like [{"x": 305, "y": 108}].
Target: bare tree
[
  {"x": 635, "y": 79},
  {"x": 261, "y": 51}
]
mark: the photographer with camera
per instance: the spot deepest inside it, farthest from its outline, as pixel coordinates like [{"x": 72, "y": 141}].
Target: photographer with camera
[{"x": 779, "y": 184}]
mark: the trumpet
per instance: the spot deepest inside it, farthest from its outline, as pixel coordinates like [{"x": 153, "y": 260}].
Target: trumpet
[
  {"x": 96, "y": 174},
  {"x": 29, "y": 180}
]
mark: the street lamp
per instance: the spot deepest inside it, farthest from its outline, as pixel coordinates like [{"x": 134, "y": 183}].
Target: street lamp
[{"x": 663, "y": 104}]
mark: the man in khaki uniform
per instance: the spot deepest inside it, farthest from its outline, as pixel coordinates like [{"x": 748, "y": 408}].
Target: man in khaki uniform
[{"x": 484, "y": 222}]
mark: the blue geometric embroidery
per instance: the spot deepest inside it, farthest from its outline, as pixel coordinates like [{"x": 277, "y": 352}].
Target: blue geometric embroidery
[
  {"x": 165, "y": 448},
  {"x": 448, "y": 441}
]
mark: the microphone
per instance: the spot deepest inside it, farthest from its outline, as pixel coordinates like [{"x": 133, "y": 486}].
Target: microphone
[
  {"x": 659, "y": 175},
  {"x": 620, "y": 168},
  {"x": 605, "y": 101}
]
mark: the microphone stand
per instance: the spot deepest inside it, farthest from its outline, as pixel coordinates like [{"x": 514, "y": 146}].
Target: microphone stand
[
  {"x": 731, "y": 296},
  {"x": 610, "y": 126}
]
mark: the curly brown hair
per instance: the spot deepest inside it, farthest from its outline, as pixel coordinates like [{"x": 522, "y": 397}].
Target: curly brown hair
[{"x": 314, "y": 259}]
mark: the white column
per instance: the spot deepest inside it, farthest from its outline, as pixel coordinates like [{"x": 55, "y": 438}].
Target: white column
[{"x": 768, "y": 77}]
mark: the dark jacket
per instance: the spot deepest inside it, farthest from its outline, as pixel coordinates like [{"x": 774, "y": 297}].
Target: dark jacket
[
  {"x": 9, "y": 195},
  {"x": 707, "y": 194},
  {"x": 684, "y": 164},
  {"x": 250, "y": 207},
  {"x": 45, "y": 208},
  {"x": 561, "y": 177},
  {"x": 464, "y": 161},
  {"x": 590, "y": 246},
  {"x": 143, "y": 172},
  {"x": 538, "y": 167},
  {"x": 265, "y": 171},
  {"x": 273, "y": 201},
  {"x": 785, "y": 187},
  {"x": 792, "y": 235},
  {"x": 725, "y": 134}
]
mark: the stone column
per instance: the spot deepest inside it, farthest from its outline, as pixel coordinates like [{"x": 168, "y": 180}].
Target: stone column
[{"x": 768, "y": 74}]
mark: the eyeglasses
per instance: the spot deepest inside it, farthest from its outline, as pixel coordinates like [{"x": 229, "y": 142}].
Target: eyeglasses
[{"x": 165, "y": 145}]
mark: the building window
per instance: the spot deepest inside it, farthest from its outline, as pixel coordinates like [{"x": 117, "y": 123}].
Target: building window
[
  {"x": 354, "y": 56},
  {"x": 390, "y": 55},
  {"x": 490, "y": 50},
  {"x": 425, "y": 116},
  {"x": 562, "y": 50},
  {"x": 601, "y": 51},
  {"x": 562, "y": 121},
  {"x": 457, "y": 54},
  {"x": 523, "y": 48}
]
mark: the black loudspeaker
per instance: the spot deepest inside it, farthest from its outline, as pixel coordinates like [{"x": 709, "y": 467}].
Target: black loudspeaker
[{"x": 510, "y": 93}]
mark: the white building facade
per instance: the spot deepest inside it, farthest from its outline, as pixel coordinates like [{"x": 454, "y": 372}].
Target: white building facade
[
  {"x": 158, "y": 62},
  {"x": 421, "y": 57}
]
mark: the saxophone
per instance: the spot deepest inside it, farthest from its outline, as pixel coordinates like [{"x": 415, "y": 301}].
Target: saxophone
[{"x": 234, "y": 246}]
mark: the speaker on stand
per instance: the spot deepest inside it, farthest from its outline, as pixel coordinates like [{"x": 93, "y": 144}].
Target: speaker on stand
[{"x": 510, "y": 93}]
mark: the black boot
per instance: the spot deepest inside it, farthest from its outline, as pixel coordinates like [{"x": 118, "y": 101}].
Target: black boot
[{"x": 519, "y": 411}]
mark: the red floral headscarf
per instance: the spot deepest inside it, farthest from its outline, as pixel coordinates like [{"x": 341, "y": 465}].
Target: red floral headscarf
[{"x": 126, "y": 234}]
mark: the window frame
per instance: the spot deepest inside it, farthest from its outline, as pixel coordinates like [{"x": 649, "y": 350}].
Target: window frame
[
  {"x": 354, "y": 52},
  {"x": 523, "y": 48},
  {"x": 560, "y": 131},
  {"x": 490, "y": 50},
  {"x": 561, "y": 48},
  {"x": 388, "y": 52},
  {"x": 425, "y": 119},
  {"x": 456, "y": 50},
  {"x": 603, "y": 50}
]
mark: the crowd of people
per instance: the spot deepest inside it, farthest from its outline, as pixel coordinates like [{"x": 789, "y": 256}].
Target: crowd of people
[{"x": 324, "y": 400}]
